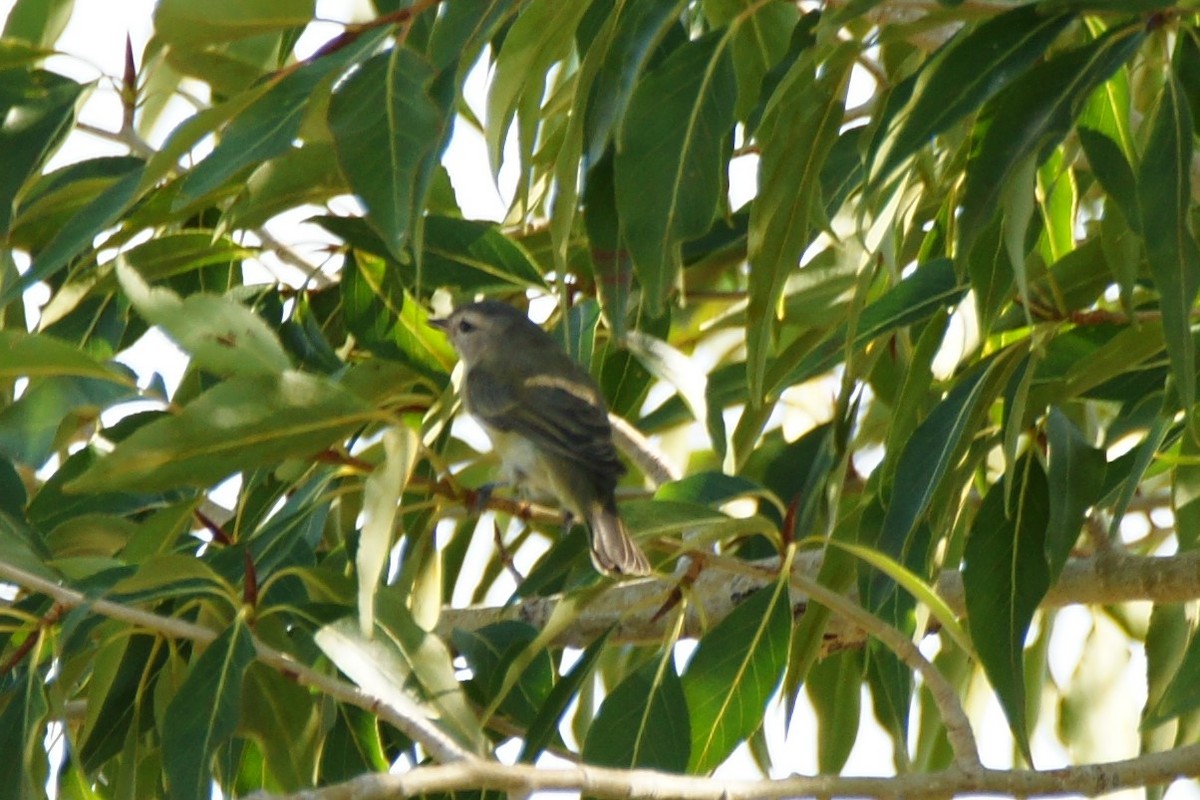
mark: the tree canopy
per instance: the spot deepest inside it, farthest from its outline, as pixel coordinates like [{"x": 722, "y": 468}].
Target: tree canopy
[{"x": 892, "y": 302}]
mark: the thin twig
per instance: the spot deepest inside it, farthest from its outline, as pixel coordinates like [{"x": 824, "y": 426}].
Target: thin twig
[{"x": 412, "y": 722}]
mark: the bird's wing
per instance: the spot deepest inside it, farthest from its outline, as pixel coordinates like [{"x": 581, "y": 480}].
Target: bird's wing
[{"x": 562, "y": 415}]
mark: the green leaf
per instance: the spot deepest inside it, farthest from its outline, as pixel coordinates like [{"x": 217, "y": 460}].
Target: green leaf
[
  {"x": 245, "y": 422},
  {"x": 491, "y": 651},
  {"x": 1113, "y": 172},
  {"x": 1172, "y": 666},
  {"x": 269, "y": 125},
  {"x": 932, "y": 286},
  {"x": 919, "y": 589},
  {"x": 221, "y": 335},
  {"x": 389, "y": 126},
  {"x": 1185, "y": 494},
  {"x": 182, "y": 23},
  {"x": 36, "y": 112},
  {"x": 302, "y": 175},
  {"x": 640, "y": 24},
  {"x": 474, "y": 256},
  {"x": 279, "y": 715},
  {"x": 930, "y": 454},
  {"x": 643, "y": 722},
  {"x": 1030, "y": 117},
  {"x": 799, "y": 128},
  {"x": 1005, "y": 577},
  {"x": 1075, "y": 474},
  {"x": 51, "y": 410},
  {"x": 545, "y": 725},
  {"x": 39, "y": 22},
  {"x": 390, "y": 322},
  {"x": 22, "y": 728},
  {"x": 540, "y": 35},
  {"x": 406, "y": 667},
  {"x": 382, "y": 492},
  {"x": 78, "y": 233},
  {"x": 734, "y": 671},
  {"x": 1165, "y": 197},
  {"x": 834, "y": 686},
  {"x": 974, "y": 66},
  {"x": 671, "y": 159},
  {"x": 124, "y": 669},
  {"x": 28, "y": 355},
  {"x": 204, "y": 713}
]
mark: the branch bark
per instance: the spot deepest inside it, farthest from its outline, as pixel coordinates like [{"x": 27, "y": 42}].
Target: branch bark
[
  {"x": 521, "y": 780},
  {"x": 631, "y": 608}
]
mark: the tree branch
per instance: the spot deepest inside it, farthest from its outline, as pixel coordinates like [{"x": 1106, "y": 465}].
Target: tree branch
[
  {"x": 630, "y": 607},
  {"x": 521, "y": 780},
  {"x": 411, "y": 721}
]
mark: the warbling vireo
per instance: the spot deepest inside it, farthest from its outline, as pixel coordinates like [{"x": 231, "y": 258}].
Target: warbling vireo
[{"x": 547, "y": 421}]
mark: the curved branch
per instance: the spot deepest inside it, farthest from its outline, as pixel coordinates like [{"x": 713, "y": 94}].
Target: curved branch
[{"x": 411, "y": 721}]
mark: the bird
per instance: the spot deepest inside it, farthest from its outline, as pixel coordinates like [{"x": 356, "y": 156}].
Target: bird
[{"x": 547, "y": 421}]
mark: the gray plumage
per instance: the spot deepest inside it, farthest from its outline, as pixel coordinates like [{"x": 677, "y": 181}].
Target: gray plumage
[{"x": 547, "y": 421}]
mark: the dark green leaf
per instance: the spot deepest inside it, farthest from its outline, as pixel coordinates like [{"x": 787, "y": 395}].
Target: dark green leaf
[
  {"x": 389, "y": 127},
  {"x": 639, "y": 25},
  {"x": 490, "y": 652},
  {"x": 1030, "y": 117},
  {"x": 1113, "y": 172},
  {"x": 1164, "y": 194},
  {"x": 204, "y": 713},
  {"x": 269, "y": 125},
  {"x": 51, "y": 410},
  {"x": 545, "y": 726},
  {"x": 931, "y": 286},
  {"x": 125, "y": 671},
  {"x": 1005, "y": 577},
  {"x": 36, "y": 111},
  {"x": 475, "y": 257},
  {"x": 389, "y": 322},
  {"x": 799, "y": 128},
  {"x": 930, "y": 454},
  {"x": 642, "y": 723},
  {"x": 734, "y": 671},
  {"x": 969, "y": 70},
  {"x": 671, "y": 157},
  {"x": 77, "y": 233},
  {"x": 1075, "y": 474},
  {"x": 834, "y": 687},
  {"x": 22, "y": 728}
]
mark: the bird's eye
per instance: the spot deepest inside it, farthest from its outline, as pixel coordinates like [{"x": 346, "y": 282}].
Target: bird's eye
[{"x": 465, "y": 327}]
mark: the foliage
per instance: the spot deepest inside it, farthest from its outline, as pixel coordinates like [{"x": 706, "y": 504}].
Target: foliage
[{"x": 969, "y": 242}]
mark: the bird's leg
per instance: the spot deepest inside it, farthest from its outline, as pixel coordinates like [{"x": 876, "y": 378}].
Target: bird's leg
[
  {"x": 478, "y": 499},
  {"x": 568, "y": 521}
]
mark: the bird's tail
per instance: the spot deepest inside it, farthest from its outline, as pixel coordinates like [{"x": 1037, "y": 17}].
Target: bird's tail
[{"x": 613, "y": 552}]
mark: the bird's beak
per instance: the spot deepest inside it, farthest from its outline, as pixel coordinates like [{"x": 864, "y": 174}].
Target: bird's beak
[{"x": 441, "y": 324}]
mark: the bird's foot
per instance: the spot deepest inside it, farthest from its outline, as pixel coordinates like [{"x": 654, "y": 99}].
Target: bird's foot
[{"x": 478, "y": 499}]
